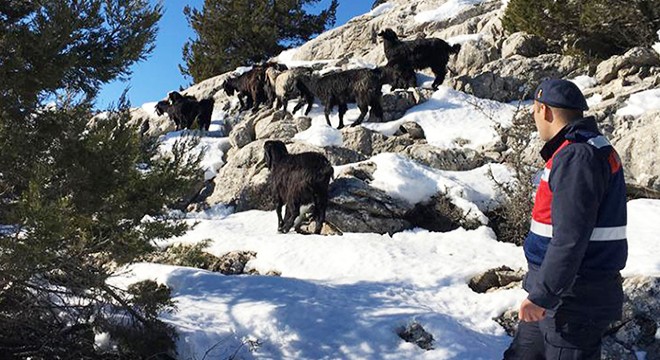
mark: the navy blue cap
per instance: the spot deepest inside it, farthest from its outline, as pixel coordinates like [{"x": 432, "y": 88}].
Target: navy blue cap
[{"x": 561, "y": 94}]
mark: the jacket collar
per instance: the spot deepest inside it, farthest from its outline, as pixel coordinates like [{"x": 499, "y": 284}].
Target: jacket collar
[{"x": 577, "y": 131}]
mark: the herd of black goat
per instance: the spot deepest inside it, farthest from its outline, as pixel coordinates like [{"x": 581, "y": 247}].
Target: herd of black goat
[
  {"x": 301, "y": 179},
  {"x": 273, "y": 83}
]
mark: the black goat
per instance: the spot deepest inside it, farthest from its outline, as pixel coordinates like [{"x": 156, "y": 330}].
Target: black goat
[
  {"x": 297, "y": 180},
  {"x": 361, "y": 86},
  {"x": 397, "y": 76},
  {"x": 251, "y": 85},
  {"x": 164, "y": 107},
  {"x": 419, "y": 54},
  {"x": 184, "y": 110}
]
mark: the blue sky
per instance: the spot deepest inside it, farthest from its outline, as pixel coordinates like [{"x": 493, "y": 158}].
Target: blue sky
[{"x": 154, "y": 77}]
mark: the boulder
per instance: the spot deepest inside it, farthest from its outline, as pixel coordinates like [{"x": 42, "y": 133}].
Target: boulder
[
  {"x": 361, "y": 139},
  {"x": 523, "y": 44},
  {"x": 445, "y": 159},
  {"x": 514, "y": 78},
  {"x": 495, "y": 279},
  {"x": 242, "y": 133},
  {"x": 637, "y": 142},
  {"x": 436, "y": 214},
  {"x": 242, "y": 182},
  {"x": 415, "y": 333},
  {"x": 355, "y": 206},
  {"x": 632, "y": 61},
  {"x": 472, "y": 58},
  {"x": 396, "y": 103},
  {"x": 412, "y": 128},
  {"x": 233, "y": 263}
]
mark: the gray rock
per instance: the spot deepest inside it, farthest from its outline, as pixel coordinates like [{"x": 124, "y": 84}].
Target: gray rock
[
  {"x": 637, "y": 144},
  {"x": 514, "y": 78},
  {"x": 472, "y": 58},
  {"x": 445, "y": 159},
  {"x": 342, "y": 156},
  {"x": 233, "y": 263},
  {"x": 632, "y": 61},
  {"x": 509, "y": 321},
  {"x": 279, "y": 130},
  {"x": 303, "y": 123},
  {"x": 415, "y": 131},
  {"x": 393, "y": 144},
  {"x": 415, "y": 333},
  {"x": 355, "y": 206},
  {"x": 523, "y": 44},
  {"x": 396, "y": 103},
  {"x": 495, "y": 278},
  {"x": 242, "y": 182},
  {"x": 436, "y": 214},
  {"x": 612, "y": 350},
  {"x": 242, "y": 134},
  {"x": 361, "y": 139}
]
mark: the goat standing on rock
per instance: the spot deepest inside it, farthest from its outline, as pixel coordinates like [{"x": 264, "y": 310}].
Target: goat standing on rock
[
  {"x": 361, "y": 86},
  {"x": 185, "y": 109},
  {"x": 297, "y": 180},
  {"x": 419, "y": 54}
]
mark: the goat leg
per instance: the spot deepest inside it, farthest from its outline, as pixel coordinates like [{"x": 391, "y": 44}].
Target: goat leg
[
  {"x": 278, "y": 210},
  {"x": 363, "y": 112},
  {"x": 292, "y": 212},
  {"x": 440, "y": 73},
  {"x": 343, "y": 108},
  {"x": 321, "y": 203}
]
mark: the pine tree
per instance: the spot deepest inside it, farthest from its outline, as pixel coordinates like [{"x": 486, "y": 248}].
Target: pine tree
[
  {"x": 231, "y": 33},
  {"x": 593, "y": 29},
  {"x": 79, "y": 200}
]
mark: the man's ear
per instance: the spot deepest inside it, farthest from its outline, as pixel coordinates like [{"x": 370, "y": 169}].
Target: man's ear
[{"x": 547, "y": 112}]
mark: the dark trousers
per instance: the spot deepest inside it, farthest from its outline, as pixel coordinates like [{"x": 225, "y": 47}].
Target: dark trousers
[{"x": 557, "y": 339}]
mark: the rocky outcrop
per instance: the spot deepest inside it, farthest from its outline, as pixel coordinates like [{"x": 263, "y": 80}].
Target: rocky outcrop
[
  {"x": 512, "y": 79},
  {"x": 523, "y": 44},
  {"x": 634, "y": 61},
  {"x": 637, "y": 142},
  {"x": 355, "y": 206},
  {"x": 242, "y": 182},
  {"x": 445, "y": 159}
]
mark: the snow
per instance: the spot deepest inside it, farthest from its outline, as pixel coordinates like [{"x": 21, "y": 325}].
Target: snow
[
  {"x": 212, "y": 148},
  {"x": 656, "y": 46},
  {"x": 341, "y": 296},
  {"x": 453, "y": 119},
  {"x": 446, "y": 11},
  {"x": 641, "y": 102},
  {"x": 320, "y": 135},
  {"x": 473, "y": 191},
  {"x": 286, "y": 58},
  {"x": 584, "y": 82},
  {"x": 643, "y": 238},
  {"x": 380, "y": 10},
  {"x": 462, "y": 39}
]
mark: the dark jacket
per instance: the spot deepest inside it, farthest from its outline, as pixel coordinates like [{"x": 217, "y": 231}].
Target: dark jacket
[{"x": 575, "y": 258}]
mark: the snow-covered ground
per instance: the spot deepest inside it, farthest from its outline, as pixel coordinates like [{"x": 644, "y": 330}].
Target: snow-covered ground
[
  {"x": 446, "y": 11},
  {"x": 345, "y": 297}
]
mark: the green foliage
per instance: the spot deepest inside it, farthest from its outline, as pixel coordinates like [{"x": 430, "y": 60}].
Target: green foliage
[
  {"x": 231, "y": 33},
  {"x": 186, "y": 255},
  {"x": 596, "y": 29},
  {"x": 81, "y": 197}
]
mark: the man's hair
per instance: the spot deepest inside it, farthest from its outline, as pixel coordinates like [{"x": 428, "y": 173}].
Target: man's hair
[{"x": 567, "y": 114}]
